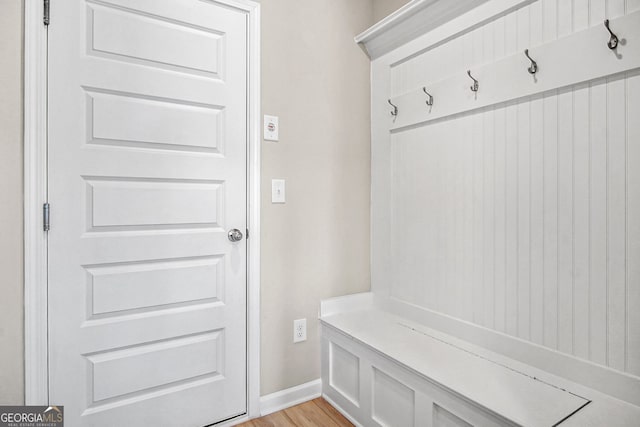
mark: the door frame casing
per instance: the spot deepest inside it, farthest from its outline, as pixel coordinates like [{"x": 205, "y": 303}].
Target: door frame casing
[{"x": 35, "y": 195}]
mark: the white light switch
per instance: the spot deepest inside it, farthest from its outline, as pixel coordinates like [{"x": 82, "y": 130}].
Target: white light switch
[
  {"x": 271, "y": 128},
  {"x": 277, "y": 191}
]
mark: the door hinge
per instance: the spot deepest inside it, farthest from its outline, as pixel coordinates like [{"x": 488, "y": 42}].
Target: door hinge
[
  {"x": 247, "y": 234},
  {"x": 46, "y": 209},
  {"x": 45, "y": 17}
]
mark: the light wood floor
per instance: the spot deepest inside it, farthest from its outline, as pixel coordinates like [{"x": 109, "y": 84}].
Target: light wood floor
[{"x": 314, "y": 413}]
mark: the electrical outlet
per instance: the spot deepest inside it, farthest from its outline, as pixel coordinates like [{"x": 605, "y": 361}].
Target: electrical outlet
[{"x": 299, "y": 330}]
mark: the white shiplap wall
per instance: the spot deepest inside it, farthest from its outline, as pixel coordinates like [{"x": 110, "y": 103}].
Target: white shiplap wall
[{"x": 525, "y": 217}]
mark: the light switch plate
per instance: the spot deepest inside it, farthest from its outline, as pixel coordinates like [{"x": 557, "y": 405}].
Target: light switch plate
[
  {"x": 271, "y": 128},
  {"x": 277, "y": 191}
]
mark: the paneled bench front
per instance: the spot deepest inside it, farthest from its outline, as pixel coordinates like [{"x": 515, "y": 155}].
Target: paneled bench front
[{"x": 381, "y": 369}]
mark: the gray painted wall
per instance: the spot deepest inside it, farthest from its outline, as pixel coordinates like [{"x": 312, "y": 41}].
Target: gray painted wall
[
  {"x": 316, "y": 79},
  {"x": 382, "y": 8}
]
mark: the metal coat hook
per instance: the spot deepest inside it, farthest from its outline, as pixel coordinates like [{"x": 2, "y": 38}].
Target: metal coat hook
[
  {"x": 475, "y": 86},
  {"x": 613, "y": 41},
  {"x": 534, "y": 65},
  {"x": 395, "y": 108},
  {"x": 430, "y": 100}
]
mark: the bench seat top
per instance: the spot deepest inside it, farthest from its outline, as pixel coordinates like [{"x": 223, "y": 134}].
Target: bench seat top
[{"x": 515, "y": 395}]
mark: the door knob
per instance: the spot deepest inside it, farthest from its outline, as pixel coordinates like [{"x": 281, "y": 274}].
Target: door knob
[{"x": 235, "y": 235}]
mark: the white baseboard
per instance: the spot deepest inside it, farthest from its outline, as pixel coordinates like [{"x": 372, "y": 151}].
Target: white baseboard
[
  {"x": 342, "y": 411},
  {"x": 283, "y": 399}
]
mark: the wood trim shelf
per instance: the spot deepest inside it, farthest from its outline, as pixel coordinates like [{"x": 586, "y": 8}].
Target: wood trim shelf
[{"x": 410, "y": 21}]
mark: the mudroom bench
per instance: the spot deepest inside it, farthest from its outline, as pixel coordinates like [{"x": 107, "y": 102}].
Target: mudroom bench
[{"x": 381, "y": 366}]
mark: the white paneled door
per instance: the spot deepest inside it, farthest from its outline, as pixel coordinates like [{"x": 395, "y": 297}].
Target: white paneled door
[{"x": 147, "y": 176}]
